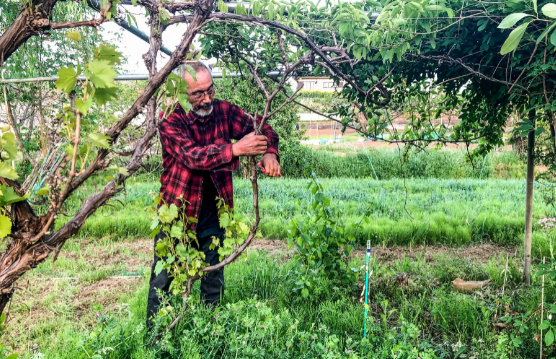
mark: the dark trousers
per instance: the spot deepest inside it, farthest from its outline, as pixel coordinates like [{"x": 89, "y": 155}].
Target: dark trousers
[{"x": 212, "y": 283}]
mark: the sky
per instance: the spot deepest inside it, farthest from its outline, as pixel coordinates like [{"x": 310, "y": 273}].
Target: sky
[{"x": 133, "y": 47}]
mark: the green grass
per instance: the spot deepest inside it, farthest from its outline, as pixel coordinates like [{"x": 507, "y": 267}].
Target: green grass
[
  {"x": 333, "y": 161},
  {"x": 451, "y": 212},
  {"x": 259, "y": 293}
]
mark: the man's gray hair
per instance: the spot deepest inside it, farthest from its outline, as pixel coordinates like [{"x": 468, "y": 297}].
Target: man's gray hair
[{"x": 196, "y": 65}]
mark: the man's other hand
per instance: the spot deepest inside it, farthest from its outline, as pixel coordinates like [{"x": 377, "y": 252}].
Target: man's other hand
[
  {"x": 250, "y": 145},
  {"x": 270, "y": 165}
]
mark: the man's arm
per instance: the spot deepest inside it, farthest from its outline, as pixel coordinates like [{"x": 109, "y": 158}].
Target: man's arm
[
  {"x": 242, "y": 126},
  {"x": 180, "y": 146}
]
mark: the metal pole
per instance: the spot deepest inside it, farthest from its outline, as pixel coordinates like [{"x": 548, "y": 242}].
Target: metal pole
[
  {"x": 366, "y": 287},
  {"x": 123, "y": 77}
]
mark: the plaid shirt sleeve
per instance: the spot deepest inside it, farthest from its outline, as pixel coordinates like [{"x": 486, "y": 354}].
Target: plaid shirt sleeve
[
  {"x": 242, "y": 125},
  {"x": 180, "y": 146}
]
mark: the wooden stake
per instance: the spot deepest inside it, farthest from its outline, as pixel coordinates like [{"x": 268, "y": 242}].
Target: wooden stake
[{"x": 529, "y": 202}]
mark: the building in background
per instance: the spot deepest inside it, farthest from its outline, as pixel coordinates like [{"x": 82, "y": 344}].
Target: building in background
[{"x": 319, "y": 83}]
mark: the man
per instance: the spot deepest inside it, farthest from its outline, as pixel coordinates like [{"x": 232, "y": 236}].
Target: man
[{"x": 198, "y": 157}]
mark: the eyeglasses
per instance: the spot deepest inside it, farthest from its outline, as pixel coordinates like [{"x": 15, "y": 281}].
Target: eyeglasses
[{"x": 197, "y": 95}]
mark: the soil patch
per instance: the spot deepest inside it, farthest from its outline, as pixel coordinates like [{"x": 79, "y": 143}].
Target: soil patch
[
  {"x": 105, "y": 292},
  {"x": 479, "y": 254}
]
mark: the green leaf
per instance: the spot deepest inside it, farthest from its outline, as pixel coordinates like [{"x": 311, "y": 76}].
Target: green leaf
[
  {"x": 535, "y": 5},
  {"x": 66, "y": 79},
  {"x": 101, "y": 73},
  {"x": 224, "y": 220},
  {"x": 167, "y": 214},
  {"x": 319, "y": 197},
  {"x": 539, "y": 130},
  {"x": 240, "y": 9},
  {"x": 317, "y": 70},
  {"x": 159, "y": 267},
  {"x": 545, "y": 32},
  {"x": 164, "y": 16},
  {"x": 183, "y": 100},
  {"x": 74, "y": 35},
  {"x": 181, "y": 250},
  {"x": 105, "y": 95},
  {"x": 549, "y": 10},
  {"x": 305, "y": 292},
  {"x": 177, "y": 230},
  {"x": 108, "y": 53},
  {"x": 435, "y": 8},
  {"x": 42, "y": 191},
  {"x": 83, "y": 106},
  {"x": 9, "y": 196},
  {"x": 5, "y": 226},
  {"x": 191, "y": 71},
  {"x": 511, "y": 20},
  {"x": 99, "y": 140},
  {"x": 7, "y": 171},
  {"x": 513, "y": 39},
  {"x": 9, "y": 146},
  {"x": 549, "y": 338},
  {"x": 553, "y": 37},
  {"x": 256, "y": 8},
  {"x": 222, "y": 6},
  {"x": 544, "y": 325}
]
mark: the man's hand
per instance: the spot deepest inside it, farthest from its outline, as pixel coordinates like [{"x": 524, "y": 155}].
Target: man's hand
[
  {"x": 250, "y": 145},
  {"x": 270, "y": 165}
]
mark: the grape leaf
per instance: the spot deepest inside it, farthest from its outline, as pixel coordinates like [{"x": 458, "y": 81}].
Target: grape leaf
[
  {"x": 108, "y": 53},
  {"x": 164, "y": 16},
  {"x": 9, "y": 196},
  {"x": 74, "y": 35},
  {"x": 5, "y": 226},
  {"x": 184, "y": 102},
  {"x": 66, "y": 79},
  {"x": 177, "y": 230},
  {"x": 191, "y": 71},
  {"x": 99, "y": 140},
  {"x": 224, "y": 220},
  {"x": 101, "y": 73},
  {"x": 83, "y": 106},
  {"x": 7, "y": 171},
  {"x": 105, "y": 95}
]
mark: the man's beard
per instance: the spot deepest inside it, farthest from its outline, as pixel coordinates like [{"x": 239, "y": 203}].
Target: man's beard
[{"x": 203, "y": 110}]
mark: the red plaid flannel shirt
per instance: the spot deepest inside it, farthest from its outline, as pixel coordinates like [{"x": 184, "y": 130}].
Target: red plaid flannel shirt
[{"x": 192, "y": 144}]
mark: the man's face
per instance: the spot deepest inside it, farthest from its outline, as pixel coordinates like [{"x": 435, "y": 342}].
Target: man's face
[{"x": 201, "y": 93}]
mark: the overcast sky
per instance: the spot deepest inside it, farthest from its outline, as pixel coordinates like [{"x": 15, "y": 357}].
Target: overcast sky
[{"x": 133, "y": 47}]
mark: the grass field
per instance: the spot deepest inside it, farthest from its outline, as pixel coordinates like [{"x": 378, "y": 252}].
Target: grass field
[
  {"x": 91, "y": 302},
  {"x": 84, "y": 306},
  {"x": 449, "y": 212}
]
